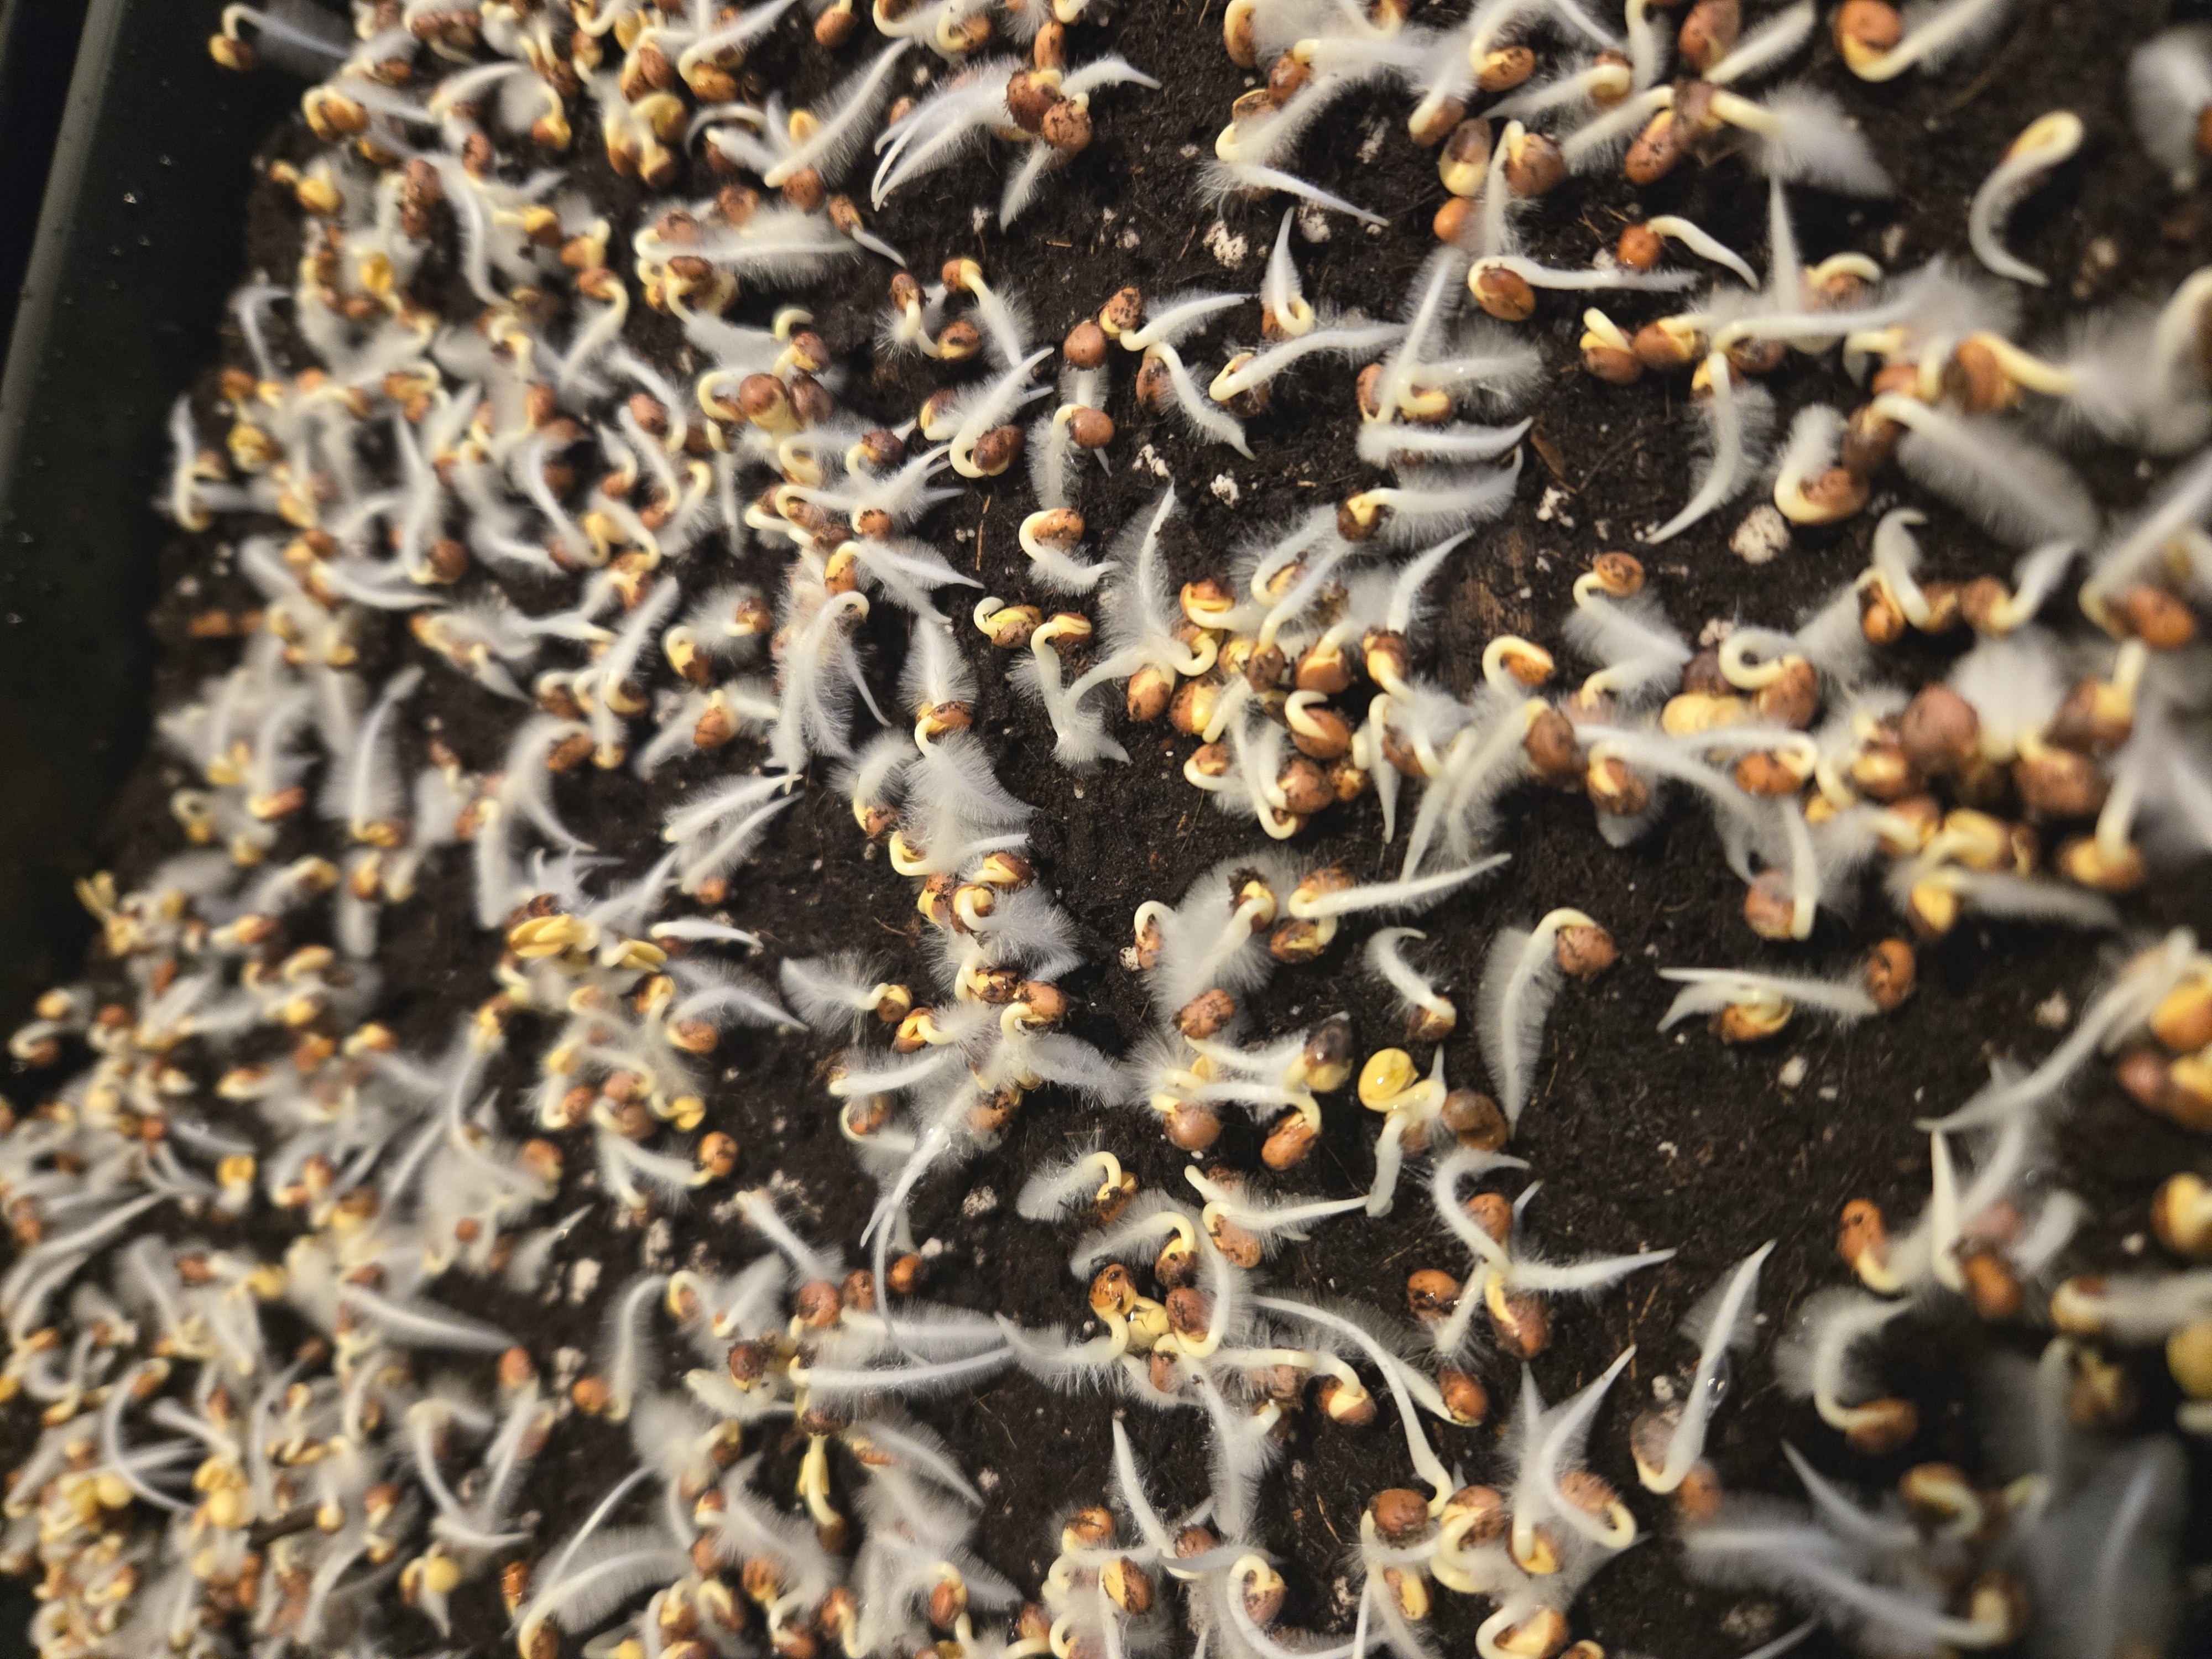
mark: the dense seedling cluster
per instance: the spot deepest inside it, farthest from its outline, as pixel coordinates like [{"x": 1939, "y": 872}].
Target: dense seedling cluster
[{"x": 540, "y": 432}]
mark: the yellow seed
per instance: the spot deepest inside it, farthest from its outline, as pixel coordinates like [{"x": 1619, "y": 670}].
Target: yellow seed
[
  {"x": 1148, "y": 1323},
  {"x": 2189, "y": 1357},
  {"x": 1411, "y": 1591},
  {"x": 1542, "y": 1557},
  {"x": 2183, "y": 1020},
  {"x": 1696, "y": 711},
  {"x": 1976, "y": 840},
  {"x": 548, "y": 936},
  {"x": 637, "y": 954},
  {"x": 2181, "y": 1216},
  {"x": 1387, "y": 1073},
  {"x": 2192, "y": 1075},
  {"x": 266, "y": 1282},
  {"x": 1934, "y": 908},
  {"x": 1753, "y": 1022}
]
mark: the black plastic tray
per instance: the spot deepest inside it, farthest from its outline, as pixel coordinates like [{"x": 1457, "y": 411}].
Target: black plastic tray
[{"x": 139, "y": 241}]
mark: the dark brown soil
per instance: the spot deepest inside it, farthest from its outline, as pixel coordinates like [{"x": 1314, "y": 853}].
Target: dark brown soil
[{"x": 1642, "y": 1141}]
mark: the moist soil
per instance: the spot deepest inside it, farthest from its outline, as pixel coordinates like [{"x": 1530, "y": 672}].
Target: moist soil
[{"x": 1643, "y": 1140}]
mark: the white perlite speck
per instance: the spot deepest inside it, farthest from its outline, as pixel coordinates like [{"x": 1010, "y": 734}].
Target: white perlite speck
[
  {"x": 1793, "y": 1071},
  {"x": 583, "y": 1279},
  {"x": 1370, "y": 141},
  {"x": 1226, "y": 245},
  {"x": 1763, "y": 534},
  {"x": 1313, "y": 223},
  {"x": 980, "y": 1202},
  {"x": 1224, "y": 490},
  {"x": 1550, "y": 510},
  {"x": 2053, "y": 1012},
  {"x": 1149, "y": 458}
]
